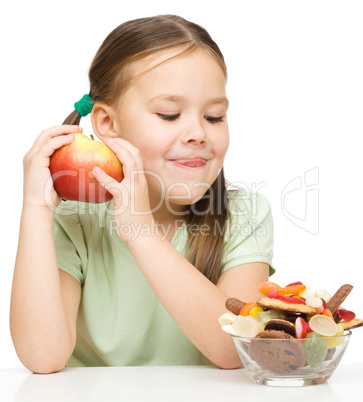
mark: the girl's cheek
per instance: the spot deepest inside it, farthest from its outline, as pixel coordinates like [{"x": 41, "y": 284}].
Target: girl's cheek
[{"x": 223, "y": 143}]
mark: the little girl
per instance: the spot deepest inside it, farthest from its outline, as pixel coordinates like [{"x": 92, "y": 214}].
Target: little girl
[{"x": 142, "y": 279}]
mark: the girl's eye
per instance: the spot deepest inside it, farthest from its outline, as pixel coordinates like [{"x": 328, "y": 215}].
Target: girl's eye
[
  {"x": 172, "y": 117},
  {"x": 169, "y": 117},
  {"x": 214, "y": 120}
]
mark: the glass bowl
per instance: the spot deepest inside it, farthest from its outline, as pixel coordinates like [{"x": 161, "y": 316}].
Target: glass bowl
[{"x": 290, "y": 362}]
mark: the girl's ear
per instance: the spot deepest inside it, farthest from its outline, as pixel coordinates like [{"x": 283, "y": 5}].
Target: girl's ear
[{"x": 103, "y": 121}]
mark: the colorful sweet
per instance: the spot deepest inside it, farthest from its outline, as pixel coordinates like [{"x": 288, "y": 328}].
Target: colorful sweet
[
  {"x": 345, "y": 315},
  {"x": 316, "y": 349},
  {"x": 227, "y": 318},
  {"x": 334, "y": 341},
  {"x": 234, "y": 305},
  {"x": 291, "y": 312},
  {"x": 301, "y": 328},
  {"x": 323, "y": 325},
  {"x": 338, "y": 298},
  {"x": 247, "y": 326},
  {"x": 271, "y": 314},
  {"x": 245, "y": 310},
  {"x": 265, "y": 287}
]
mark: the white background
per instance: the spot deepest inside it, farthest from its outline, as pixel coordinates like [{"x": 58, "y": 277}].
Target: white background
[{"x": 296, "y": 92}]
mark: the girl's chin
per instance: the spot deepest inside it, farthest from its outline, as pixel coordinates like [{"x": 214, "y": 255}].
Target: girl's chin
[{"x": 183, "y": 200}]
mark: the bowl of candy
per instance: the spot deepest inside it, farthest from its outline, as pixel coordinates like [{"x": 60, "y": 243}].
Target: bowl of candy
[{"x": 293, "y": 336}]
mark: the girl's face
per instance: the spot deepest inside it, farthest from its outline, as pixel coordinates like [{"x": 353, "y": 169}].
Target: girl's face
[{"x": 175, "y": 114}]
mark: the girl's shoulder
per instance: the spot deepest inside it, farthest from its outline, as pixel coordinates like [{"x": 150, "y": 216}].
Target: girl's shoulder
[{"x": 243, "y": 202}]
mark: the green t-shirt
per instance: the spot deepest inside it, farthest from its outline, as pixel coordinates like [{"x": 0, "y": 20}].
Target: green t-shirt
[{"x": 120, "y": 320}]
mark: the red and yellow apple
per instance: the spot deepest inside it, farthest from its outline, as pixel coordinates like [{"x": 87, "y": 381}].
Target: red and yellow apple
[{"x": 71, "y": 168}]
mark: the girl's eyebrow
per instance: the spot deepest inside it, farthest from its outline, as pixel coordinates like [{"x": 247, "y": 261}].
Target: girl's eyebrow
[{"x": 182, "y": 99}]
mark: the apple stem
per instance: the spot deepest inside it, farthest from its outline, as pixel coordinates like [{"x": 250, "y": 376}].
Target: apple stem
[{"x": 91, "y": 135}]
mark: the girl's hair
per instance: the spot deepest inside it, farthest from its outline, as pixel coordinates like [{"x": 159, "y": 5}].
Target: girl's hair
[{"x": 110, "y": 75}]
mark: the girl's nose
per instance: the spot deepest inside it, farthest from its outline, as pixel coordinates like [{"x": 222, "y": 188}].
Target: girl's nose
[{"x": 195, "y": 133}]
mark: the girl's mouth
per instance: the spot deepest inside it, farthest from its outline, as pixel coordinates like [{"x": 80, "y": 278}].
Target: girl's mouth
[{"x": 193, "y": 163}]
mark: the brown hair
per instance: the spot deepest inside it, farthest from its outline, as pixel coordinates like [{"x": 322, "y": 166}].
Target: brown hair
[{"x": 109, "y": 77}]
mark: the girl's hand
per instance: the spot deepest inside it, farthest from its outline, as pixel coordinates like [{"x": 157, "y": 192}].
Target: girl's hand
[
  {"x": 38, "y": 183},
  {"x": 130, "y": 197}
]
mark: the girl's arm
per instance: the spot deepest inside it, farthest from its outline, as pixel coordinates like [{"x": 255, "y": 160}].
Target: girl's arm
[
  {"x": 192, "y": 300},
  {"x": 40, "y": 321}
]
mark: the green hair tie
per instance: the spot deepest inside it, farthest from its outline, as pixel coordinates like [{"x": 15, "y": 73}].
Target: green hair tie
[{"x": 84, "y": 106}]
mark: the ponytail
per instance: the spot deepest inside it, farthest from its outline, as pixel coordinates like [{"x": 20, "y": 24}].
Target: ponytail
[
  {"x": 81, "y": 108},
  {"x": 73, "y": 119}
]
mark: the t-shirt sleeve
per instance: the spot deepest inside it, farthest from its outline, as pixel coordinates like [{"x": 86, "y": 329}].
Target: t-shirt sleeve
[
  {"x": 69, "y": 242},
  {"x": 249, "y": 236}
]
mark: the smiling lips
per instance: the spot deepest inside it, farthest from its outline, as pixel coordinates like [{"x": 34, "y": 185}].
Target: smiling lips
[{"x": 191, "y": 163}]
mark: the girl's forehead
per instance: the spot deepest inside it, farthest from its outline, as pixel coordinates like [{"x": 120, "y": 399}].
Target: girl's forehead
[
  {"x": 175, "y": 74},
  {"x": 159, "y": 57},
  {"x": 176, "y": 55}
]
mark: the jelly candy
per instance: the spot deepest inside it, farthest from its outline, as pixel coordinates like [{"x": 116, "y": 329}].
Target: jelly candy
[
  {"x": 334, "y": 342},
  {"x": 300, "y": 328},
  {"x": 272, "y": 314},
  {"x": 245, "y": 310},
  {"x": 308, "y": 329},
  {"x": 247, "y": 326},
  {"x": 324, "y": 294},
  {"x": 226, "y": 318},
  {"x": 345, "y": 315},
  {"x": 255, "y": 310},
  {"x": 336, "y": 317},
  {"x": 323, "y": 325},
  {"x": 264, "y": 287},
  {"x": 272, "y": 294},
  {"x": 294, "y": 283},
  {"x": 316, "y": 348},
  {"x": 307, "y": 293},
  {"x": 328, "y": 313},
  {"x": 289, "y": 299},
  {"x": 319, "y": 310},
  {"x": 314, "y": 301},
  {"x": 289, "y": 290}
]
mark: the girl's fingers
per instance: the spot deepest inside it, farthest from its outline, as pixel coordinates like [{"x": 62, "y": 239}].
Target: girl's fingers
[
  {"x": 109, "y": 183},
  {"x": 47, "y": 149},
  {"x": 55, "y": 131},
  {"x": 127, "y": 154}
]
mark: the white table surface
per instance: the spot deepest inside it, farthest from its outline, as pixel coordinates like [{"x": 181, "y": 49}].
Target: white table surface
[{"x": 177, "y": 383}]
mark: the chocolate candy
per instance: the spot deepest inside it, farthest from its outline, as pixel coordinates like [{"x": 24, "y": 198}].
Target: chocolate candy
[
  {"x": 338, "y": 298},
  {"x": 234, "y": 305}
]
